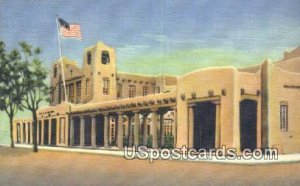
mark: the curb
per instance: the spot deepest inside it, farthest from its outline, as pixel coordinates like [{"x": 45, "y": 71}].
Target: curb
[{"x": 287, "y": 158}]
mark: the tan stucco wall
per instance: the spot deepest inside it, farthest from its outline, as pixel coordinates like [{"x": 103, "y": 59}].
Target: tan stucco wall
[
  {"x": 138, "y": 81},
  {"x": 251, "y": 83},
  {"x": 227, "y": 79},
  {"x": 287, "y": 141},
  {"x": 216, "y": 80},
  {"x": 201, "y": 82},
  {"x": 22, "y": 122}
]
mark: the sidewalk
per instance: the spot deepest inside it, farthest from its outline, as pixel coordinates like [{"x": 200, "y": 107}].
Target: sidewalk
[{"x": 286, "y": 158}]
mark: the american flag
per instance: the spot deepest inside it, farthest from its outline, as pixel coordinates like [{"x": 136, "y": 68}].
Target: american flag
[{"x": 69, "y": 30}]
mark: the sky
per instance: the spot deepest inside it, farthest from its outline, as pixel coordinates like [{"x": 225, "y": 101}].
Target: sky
[{"x": 159, "y": 36}]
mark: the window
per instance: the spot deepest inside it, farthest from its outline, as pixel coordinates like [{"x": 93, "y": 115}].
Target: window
[
  {"x": 87, "y": 84},
  {"x": 105, "y": 86},
  {"x": 132, "y": 90},
  {"x": 71, "y": 72},
  {"x": 55, "y": 72},
  {"x": 105, "y": 57},
  {"x": 53, "y": 94},
  {"x": 78, "y": 90},
  {"x": 145, "y": 91},
  {"x": 158, "y": 89},
  {"x": 71, "y": 92},
  {"x": 283, "y": 116},
  {"x": 89, "y": 58},
  {"x": 119, "y": 90},
  {"x": 112, "y": 132}
]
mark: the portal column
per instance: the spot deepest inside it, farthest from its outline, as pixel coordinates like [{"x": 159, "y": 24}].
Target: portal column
[
  {"x": 37, "y": 132},
  {"x": 49, "y": 131},
  {"x": 136, "y": 128},
  {"x": 191, "y": 125},
  {"x": 174, "y": 128},
  {"x": 71, "y": 131},
  {"x": 106, "y": 117},
  {"x": 162, "y": 129},
  {"x": 120, "y": 129},
  {"x": 93, "y": 131},
  {"x": 42, "y": 131},
  {"x": 129, "y": 130},
  {"x": 31, "y": 132},
  {"x": 217, "y": 130},
  {"x": 154, "y": 128},
  {"x": 82, "y": 131},
  {"x": 75, "y": 93},
  {"x": 26, "y": 133},
  {"x": 145, "y": 132}
]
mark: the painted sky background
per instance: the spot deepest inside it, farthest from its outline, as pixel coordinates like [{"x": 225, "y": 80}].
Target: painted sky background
[{"x": 159, "y": 36}]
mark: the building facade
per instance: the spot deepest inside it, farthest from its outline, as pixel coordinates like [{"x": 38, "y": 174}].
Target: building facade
[{"x": 255, "y": 107}]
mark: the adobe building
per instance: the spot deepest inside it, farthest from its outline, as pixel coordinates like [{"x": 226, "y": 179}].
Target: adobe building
[{"x": 255, "y": 107}]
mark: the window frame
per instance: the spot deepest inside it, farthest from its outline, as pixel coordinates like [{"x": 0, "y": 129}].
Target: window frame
[
  {"x": 132, "y": 91},
  {"x": 158, "y": 89},
  {"x": 89, "y": 57},
  {"x": 87, "y": 84},
  {"x": 119, "y": 90},
  {"x": 145, "y": 90},
  {"x": 78, "y": 91},
  {"x": 105, "y": 55},
  {"x": 105, "y": 86},
  {"x": 283, "y": 113}
]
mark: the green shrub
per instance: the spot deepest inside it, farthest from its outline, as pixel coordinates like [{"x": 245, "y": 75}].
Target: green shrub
[
  {"x": 149, "y": 141},
  {"x": 169, "y": 141},
  {"x": 125, "y": 141}
]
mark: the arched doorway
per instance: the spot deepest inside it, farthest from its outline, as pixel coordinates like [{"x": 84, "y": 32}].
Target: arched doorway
[
  {"x": 87, "y": 131},
  {"x": 40, "y": 132},
  {"x": 76, "y": 131},
  {"x": 100, "y": 130},
  {"x": 46, "y": 132},
  {"x": 53, "y": 131},
  {"x": 248, "y": 124},
  {"x": 204, "y": 125}
]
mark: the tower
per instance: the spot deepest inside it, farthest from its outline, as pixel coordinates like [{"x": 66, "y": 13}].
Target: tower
[{"x": 99, "y": 74}]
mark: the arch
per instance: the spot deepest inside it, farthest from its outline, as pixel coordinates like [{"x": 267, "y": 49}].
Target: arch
[
  {"x": 248, "y": 124},
  {"x": 53, "y": 131},
  {"x": 204, "y": 125},
  {"x": 76, "y": 131},
  {"x": 100, "y": 130},
  {"x": 46, "y": 132}
]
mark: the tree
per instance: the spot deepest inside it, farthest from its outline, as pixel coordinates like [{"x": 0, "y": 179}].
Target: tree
[
  {"x": 11, "y": 88},
  {"x": 34, "y": 76}
]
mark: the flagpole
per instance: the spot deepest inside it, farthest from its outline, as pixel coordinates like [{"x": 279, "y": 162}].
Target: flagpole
[{"x": 61, "y": 60}]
